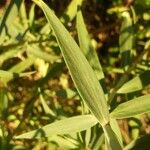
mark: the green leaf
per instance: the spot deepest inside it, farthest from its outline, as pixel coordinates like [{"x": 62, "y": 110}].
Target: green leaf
[
  {"x": 9, "y": 54},
  {"x": 65, "y": 126},
  {"x": 82, "y": 74},
  {"x": 8, "y": 21},
  {"x": 45, "y": 106},
  {"x": 6, "y": 76},
  {"x": 126, "y": 38},
  {"x": 71, "y": 11},
  {"x": 111, "y": 140},
  {"x": 37, "y": 52},
  {"x": 32, "y": 15},
  {"x": 87, "y": 48},
  {"x": 23, "y": 65},
  {"x": 131, "y": 108},
  {"x": 64, "y": 143},
  {"x": 135, "y": 84},
  {"x": 115, "y": 127}
]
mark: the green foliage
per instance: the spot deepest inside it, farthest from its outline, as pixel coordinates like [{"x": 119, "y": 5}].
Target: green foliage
[{"x": 41, "y": 101}]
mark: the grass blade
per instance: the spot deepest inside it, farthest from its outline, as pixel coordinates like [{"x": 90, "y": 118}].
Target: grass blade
[
  {"x": 135, "y": 84},
  {"x": 126, "y": 39},
  {"x": 112, "y": 142},
  {"x": 88, "y": 49},
  {"x": 131, "y": 108},
  {"x": 71, "y": 11},
  {"x": 82, "y": 74},
  {"x": 65, "y": 126}
]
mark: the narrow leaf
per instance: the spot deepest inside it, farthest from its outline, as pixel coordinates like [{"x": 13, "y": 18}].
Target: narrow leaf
[
  {"x": 71, "y": 11},
  {"x": 45, "y": 106},
  {"x": 23, "y": 65},
  {"x": 126, "y": 38},
  {"x": 82, "y": 74},
  {"x": 112, "y": 142},
  {"x": 131, "y": 108},
  {"x": 65, "y": 126},
  {"x": 37, "y": 52},
  {"x": 135, "y": 84},
  {"x": 87, "y": 48}
]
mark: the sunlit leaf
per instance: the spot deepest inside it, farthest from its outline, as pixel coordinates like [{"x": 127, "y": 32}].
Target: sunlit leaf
[
  {"x": 131, "y": 108},
  {"x": 22, "y": 66},
  {"x": 71, "y": 11},
  {"x": 135, "y": 84},
  {"x": 88, "y": 49},
  {"x": 82, "y": 74},
  {"x": 37, "y": 52},
  {"x": 126, "y": 38},
  {"x": 65, "y": 126},
  {"x": 111, "y": 140}
]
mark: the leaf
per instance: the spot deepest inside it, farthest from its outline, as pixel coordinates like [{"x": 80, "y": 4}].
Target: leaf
[
  {"x": 131, "y": 108},
  {"x": 32, "y": 15},
  {"x": 6, "y": 76},
  {"x": 45, "y": 106},
  {"x": 37, "y": 52},
  {"x": 135, "y": 84},
  {"x": 68, "y": 15},
  {"x": 126, "y": 38},
  {"x": 23, "y": 65},
  {"x": 81, "y": 72},
  {"x": 10, "y": 15},
  {"x": 9, "y": 54},
  {"x": 65, "y": 126},
  {"x": 71, "y": 11},
  {"x": 112, "y": 142},
  {"x": 88, "y": 49},
  {"x": 64, "y": 142},
  {"x": 115, "y": 127}
]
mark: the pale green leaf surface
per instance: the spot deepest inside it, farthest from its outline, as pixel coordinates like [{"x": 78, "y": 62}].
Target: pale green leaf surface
[
  {"x": 126, "y": 38},
  {"x": 37, "y": 52},
  {"x": 135, "y": 84},
  {"x": 64, "y": 142},
  {"x": 111, "y": 140},
  {"x": 87, "y": 48},
  {"x": 8, "y": 22},
  {"x": 46, "y": 107},
  {"x": 131, "y": 108},
  {"x": 68, "y": 15},
  {"x": 9, "y": 54},
  {"x": 65, "y": 126},
  {"x": 82, "y": 74},
  {"x": 71, "y": 11},
  {"x": 23, "y": 65},
  {"x": 32, "y": 15},
  {"x": 6, "y": 76},
  {"x": 115, "y": 127}
]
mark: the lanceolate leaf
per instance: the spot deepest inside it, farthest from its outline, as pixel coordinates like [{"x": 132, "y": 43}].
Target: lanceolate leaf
[
  {"x": 82, "y": 74},
  {"x": 71, "y": 10},
  {"x": 135, "y": 84},
  {"x": 131, "y": 108},
  {"x": 23, "y": 65},
  {"x": 87, "y": 48},
  {"x": 65, "y": 126},
  {"x": 112, "y": 142},
  {"x": 126, "y": 38}
]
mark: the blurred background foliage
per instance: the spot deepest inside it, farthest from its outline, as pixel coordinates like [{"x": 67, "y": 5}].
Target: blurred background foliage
[{"x": 35, "y": 86}]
